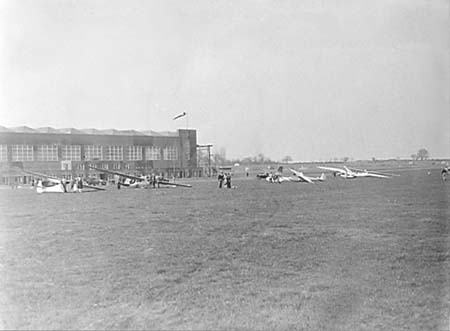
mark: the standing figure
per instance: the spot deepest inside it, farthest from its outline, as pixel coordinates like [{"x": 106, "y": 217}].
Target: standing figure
[
  {"x": 444, "y": 174},
  {"x": 80, "y": 184},
  {"x": 220, "y": 178},
  {"x": 228, "y": 178}
]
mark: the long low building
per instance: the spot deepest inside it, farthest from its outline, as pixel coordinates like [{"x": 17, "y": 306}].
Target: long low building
[{"x": 69, "y": 153}]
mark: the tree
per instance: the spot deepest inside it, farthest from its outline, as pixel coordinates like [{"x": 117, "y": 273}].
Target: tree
[
  {"x": 286, "y": 159},
  {"x": 246, "y": 160},
  {"x": 422, "y": 154}
]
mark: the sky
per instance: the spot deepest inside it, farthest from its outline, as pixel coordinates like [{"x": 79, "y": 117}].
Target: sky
[{"x": 313, "y": 80}]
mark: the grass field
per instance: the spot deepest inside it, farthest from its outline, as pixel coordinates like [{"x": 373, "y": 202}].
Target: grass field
[{"x": 363, "y": 254}]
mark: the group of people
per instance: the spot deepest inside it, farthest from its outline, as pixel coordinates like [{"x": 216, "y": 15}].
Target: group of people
[
  {"x": 444, "y": 173},
  {"x": 149, "y": 181},
  {"x": 224, "y": 180},
  {"x": 76, "y": 185}
]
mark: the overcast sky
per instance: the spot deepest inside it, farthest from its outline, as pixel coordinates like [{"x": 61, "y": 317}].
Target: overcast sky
[{"x": 310, "y": 79}]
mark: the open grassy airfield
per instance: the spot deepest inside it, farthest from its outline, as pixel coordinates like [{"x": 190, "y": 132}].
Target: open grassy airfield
[{"x": 364, "y": 254}]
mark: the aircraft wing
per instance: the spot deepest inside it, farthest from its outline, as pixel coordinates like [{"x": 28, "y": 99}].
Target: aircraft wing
[
  {"x": 301, "y": 175},
  {"x": 37, "y": 174},
  {"x": 358, "y": 170},
  {"x": 94, "y": 187},
  {"x": 295, "y": 172},
  {"x": 383, "y": 174},
  {"x": 333, "y": 169},
  {"x": 306, "y": 179},
  {"x": 117, "y": 173},
  {"x": 371, "y": 174},
  {"x": 174, "y": 184},
  {"x": 374, "y": 172}
]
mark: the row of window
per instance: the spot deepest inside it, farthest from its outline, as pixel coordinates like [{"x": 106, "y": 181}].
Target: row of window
[
  {"x": 3, "y": 153},
  {"x": 91, "y": 153},
  {"x": 68, "y": 166}
]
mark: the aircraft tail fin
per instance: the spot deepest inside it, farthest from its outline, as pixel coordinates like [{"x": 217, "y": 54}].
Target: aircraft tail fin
[
  {"x": 322, "y": 176},
  {"x": 280, "y": 169}
]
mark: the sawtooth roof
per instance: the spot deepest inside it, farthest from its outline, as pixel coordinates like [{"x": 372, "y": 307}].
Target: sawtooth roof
[{"x": 48, "y": 129}]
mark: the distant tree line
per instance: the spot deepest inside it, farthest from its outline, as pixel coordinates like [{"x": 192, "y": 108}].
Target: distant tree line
[
  {"x": 422, "y": 154},
  {"x": 259, "y": 159},
  {"x": 220, "y": 158}
]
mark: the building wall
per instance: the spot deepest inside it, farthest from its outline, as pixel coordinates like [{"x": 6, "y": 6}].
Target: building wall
[{"x": 180, "y": 148}]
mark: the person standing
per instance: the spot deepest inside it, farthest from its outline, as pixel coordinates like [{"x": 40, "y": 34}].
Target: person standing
[
  {"x": 228, "y": 178},
  {"x": 80, "y": 184},
  {"x": 220, "y": 178},
  {"x": 444, "y": 174}
]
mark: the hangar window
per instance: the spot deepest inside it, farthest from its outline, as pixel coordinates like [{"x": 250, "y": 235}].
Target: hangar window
[
  {"x": 170, "y": 153},
  {"x": 152, "y": 153},
  {"x": 3, "y": 152},
  {"x": 93, "y": 152},
  {"x": 21, "y": 153},
  {"x": 134, "y": 153},
  {"x": 113, "y": 153},
  {"x": 71, "y": 152},
  {"x": 47, "y": 153}
]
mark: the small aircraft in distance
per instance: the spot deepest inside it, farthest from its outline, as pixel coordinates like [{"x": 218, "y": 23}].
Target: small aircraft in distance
[
  {"x": 266, "y": 174},
  {"x": 95, "y": 181},
  {"x": 276, "y": 177},
  {"x": 50, "y": 184},
  {"x": 140, "y": 181},
  {"x": 348, "y": 173},
  {"x": 262, "y": 175},
  {"x": 302, "y": 177}
]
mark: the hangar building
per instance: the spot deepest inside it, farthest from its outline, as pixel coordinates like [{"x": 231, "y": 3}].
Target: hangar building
[{"x": 68, "y": 153}]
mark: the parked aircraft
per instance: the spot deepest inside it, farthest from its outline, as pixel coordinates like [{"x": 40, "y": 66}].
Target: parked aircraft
[
  {"x": 139, "y": 181},
  {"x": 278, "y": 177},
  {"x": 95, "y": 181},
  {"x": 51, "y": 184},
  {"x": 272, "y": 177},
  {"x": 298, "y": 176},
  {"x": 348, "y": 173},
  {"x": 262, "y": 175},
  {"x": 302, "y": 177}
]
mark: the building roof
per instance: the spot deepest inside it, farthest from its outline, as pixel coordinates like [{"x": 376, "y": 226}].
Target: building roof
[
  {"x": 48, "y": 129},
  {"x": 92, "y": 131},
  {"x": 22, "y": 129},
  {"x": 162, "y": 134},
  {"x": 70, "y": 131}
]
